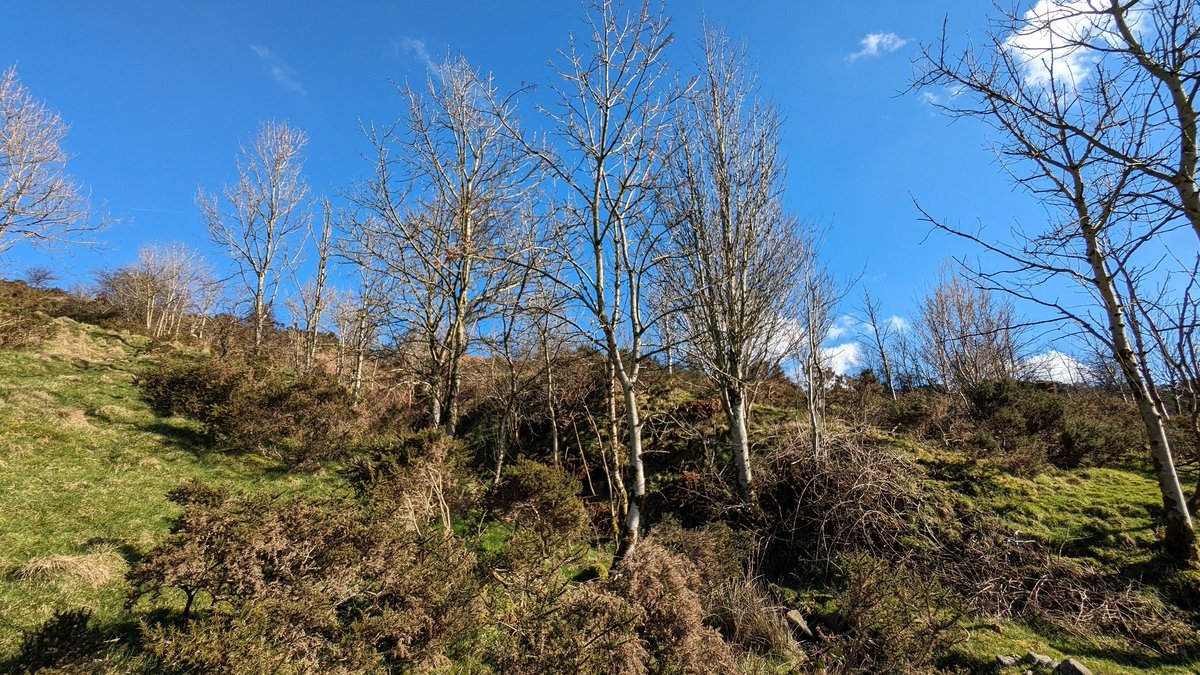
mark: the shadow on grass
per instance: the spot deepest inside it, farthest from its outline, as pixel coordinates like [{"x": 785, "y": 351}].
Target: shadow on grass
[
  {"x": 73, "y": 641},
  {"x": 123, "y": 548},
  {"x": 181, "y": 436}
]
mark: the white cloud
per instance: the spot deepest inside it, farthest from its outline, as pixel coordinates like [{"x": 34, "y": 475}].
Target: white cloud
[
  {"x": 898, "y": 323},
  {"x": 875, "y": 44},
  {"x": 843, "y": 358},
  {"x": 1058, "y": 40},
  {"x": 283, "y": 74},
  {"x": 417, "y": 49},
  {"x": 843, "y": 325},
  {"x": 1055, "y": 366}
]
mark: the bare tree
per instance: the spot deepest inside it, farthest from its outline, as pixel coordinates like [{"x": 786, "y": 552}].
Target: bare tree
[
  {"x": 1169, "y": 319},
  {"x": 968, "y": 335},
  {"x": 40, "y": 276},
  {"x": 610, "y": 123},
  {"x": 880, "y": 338},
  {"x": 1135, "y": 59},
  {"x": 734, "y": 247},
  {"x": 166, "y": 285},
  {"x": 311, "y": 295},
  {"x": 39, "y": 202},
  {"x": 819, "y": 296},
  {"x": 443, "y": 201},
  {"x": 261, "y": 214},
  {"x": 1048, "y": 117}
]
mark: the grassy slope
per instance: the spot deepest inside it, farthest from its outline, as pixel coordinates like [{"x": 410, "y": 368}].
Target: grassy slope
[
  {"x": 85, "y": 466},
  {"x": 1101, "y": 518}
]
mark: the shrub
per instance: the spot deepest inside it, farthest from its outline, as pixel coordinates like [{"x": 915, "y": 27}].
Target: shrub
[
  {"x": 420, "y": 478},
  {"x": 541, "y": 502},
  {"x": 270, "y": 636},
  {"x": 544, "y": 626},
  {"x": 315, "y": 586},
  {"x": 927, "y": 413},
  {"x": 190, "y": 388},
  {"x": 661, "y": 586},
  {"x": 302, "y": 419},
  {"x": 23, "y": 329},
  {"x": 892, "y": 620}
]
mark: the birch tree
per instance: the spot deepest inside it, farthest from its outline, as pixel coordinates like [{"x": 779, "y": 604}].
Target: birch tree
[
  {"x": 1047, "y": 117},
  {"x": 256, "y": 218},
  {"x": 968, "y": 335},
  {"x": 734, "y": 247},
  {"x": 608, "y": 128},
  {"x": 39, "y": 202},
  {"x": 159, "y": 291},
  {"x": 312, "y": 302},
  {"x": 446, "y": 192},
  {"x": 880, "y": 336},
  {"x": 819, "y": 294}
]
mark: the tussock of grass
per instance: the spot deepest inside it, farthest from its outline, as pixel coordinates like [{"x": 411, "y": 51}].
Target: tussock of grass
[
  {"x": 30, "y": 398},
  {"x": 95, "y": 569},
  {"x": 73, "y": 340},
  {"x": 72, "y": 419},
  {"x": 113, "y": 413}
]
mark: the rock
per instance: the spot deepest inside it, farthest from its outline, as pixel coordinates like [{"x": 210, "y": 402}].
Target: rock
[
  {"x": 795, "y": 618},
  {"x": 1040, "y": 660},
  {"x": 1006, "y": 661},
  {"x": 1072, "y": 667}
]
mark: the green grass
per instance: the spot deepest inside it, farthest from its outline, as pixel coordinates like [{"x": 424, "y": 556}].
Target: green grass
[
  {"x": 1103, "y": 656},
  {"x": 1102, "y": 518},
  {"x": 1106, "y": 517},
  {"x": 85, "y": 467}
]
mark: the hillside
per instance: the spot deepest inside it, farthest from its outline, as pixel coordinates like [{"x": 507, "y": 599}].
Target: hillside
[{"x": 87, "y": 465}]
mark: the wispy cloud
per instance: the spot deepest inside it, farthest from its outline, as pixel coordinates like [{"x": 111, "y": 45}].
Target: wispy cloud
[
  {"x": 875, "y": 44},
  {"x": 417, "y": 49},
  {"x": 279, "y": 70},
  {"x": 843, "y": 325}
]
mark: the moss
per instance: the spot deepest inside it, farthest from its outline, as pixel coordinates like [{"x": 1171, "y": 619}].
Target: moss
[
  {"x": 986, "y": 640},
  {"x": 1109, "y": 517}
]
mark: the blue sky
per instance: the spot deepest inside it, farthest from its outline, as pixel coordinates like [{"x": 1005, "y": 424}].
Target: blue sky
[{"x": 159, "y": 94}]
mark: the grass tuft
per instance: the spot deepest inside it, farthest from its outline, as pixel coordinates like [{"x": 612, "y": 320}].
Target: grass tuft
[{"x": 95, "y": 569}]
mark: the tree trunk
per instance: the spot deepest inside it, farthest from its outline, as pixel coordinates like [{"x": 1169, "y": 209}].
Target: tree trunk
[
  {"x": 501, "y": 446},
  {"x": 1180, "y": 537},
  {"x": 735, "y": 412},
  {"x": 633, "y": 516},
  {"x": 454, "y": 379},
  {"x": 550, "y": 411},
  {"x": 360, "y": 353},
  {"x": 614, "y": 440},
  {"x": 259, "y": 314}
]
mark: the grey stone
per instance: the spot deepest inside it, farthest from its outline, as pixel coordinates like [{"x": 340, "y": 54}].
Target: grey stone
[
  {"x": 1072, "y": 667},
  {"x": 1040, "y": 660},
  {"x": 795, "y": 618},
  {"x": 1007, "y": 661}
]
